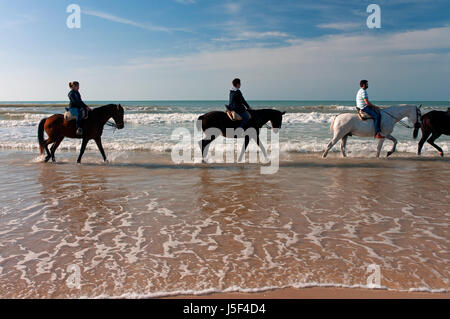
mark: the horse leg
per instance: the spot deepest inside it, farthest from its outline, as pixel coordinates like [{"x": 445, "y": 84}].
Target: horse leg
[
  {"x": 83, "y": 148},
  {"x": 343, "y": 145},
  {"x": 380, "y": 145},
  {"x": 244, "y": 148},
  {"x": 336, "y": 138},
  {"x": 98, "y": 141},
  {"x": 46, "y": 143},
  {"x": 205, "y": 144},
  {"x": 54, "y": 147},
  {"x": 393, "y": 139},
  {"x": 425, "y": 135},
  {"x": 431, "y": 140},
  {"x": 263, "y": 149}
]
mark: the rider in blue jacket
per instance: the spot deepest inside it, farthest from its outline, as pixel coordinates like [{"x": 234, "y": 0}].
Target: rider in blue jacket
[
  {"x": 238, "y": 103},
  {"x": 77, "y": 106}
]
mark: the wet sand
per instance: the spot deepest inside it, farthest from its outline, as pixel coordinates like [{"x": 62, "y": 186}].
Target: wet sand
[
  {"x": 142, "y": 226},
  {"x": 321, "y": 293}
]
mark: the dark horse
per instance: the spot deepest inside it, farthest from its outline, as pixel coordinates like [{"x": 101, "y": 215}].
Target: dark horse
[
  {"x": 434, "y": 123},
  {"x": 57, "y": 129},
  {"x": 221, "y": 121}
]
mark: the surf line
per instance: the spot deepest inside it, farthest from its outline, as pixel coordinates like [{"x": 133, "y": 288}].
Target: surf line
[{"x": 193, "y": 309}]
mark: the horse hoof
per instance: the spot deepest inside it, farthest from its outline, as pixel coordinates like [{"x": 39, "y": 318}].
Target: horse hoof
[
  {"x": 389, "y": 154},
  {"x": 47, "y": 159},
  {"x": 442, "y": 154}
]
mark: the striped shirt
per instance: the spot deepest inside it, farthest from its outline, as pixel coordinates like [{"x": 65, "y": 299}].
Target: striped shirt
[{"x": 360, "y": 96}]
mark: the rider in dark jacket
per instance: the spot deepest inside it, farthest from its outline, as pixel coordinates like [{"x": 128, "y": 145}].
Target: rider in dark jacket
[
  {"x": 77, "y": 106},
  {"x": 238, "y": 103}
]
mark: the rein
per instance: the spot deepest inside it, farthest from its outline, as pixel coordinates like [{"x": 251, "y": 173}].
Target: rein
[
  {"x": 398, "y": 120},
  {"x": 401, "y": 121},
  {"x": 111, "y": 124}
]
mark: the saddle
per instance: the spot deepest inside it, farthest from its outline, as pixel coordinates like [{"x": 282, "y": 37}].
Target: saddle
[
  {"x": 70, "y": 117},
  {"x": 234, "y": 116},
  {"x": 363, "y": 116}
]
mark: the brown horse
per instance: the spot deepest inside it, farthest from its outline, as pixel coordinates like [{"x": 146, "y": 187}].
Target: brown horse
[
  {"x": 57, "y": 129},
  {"x": 434, "y": 123}
]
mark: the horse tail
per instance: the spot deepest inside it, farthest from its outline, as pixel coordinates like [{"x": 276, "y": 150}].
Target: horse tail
[
  {"x": 200, "y": 122},
  {"x": 41, "y": 135},
  {"x": 332, "y": 124},
  {"x": 415, "y": 132}
]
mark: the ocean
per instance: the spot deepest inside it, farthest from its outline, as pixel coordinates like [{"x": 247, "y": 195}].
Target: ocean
[{"x": 149, "y": 125}]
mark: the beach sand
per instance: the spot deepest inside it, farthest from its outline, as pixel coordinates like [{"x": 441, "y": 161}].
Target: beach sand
[
  {"x": 142, "y": 226},
  {"x": 321, "y": 293}
]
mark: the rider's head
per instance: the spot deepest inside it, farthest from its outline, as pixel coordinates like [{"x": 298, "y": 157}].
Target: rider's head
[
  {"x": 74, "y": 85},
  {"x": 364, "y": 84},
  {"x": 237, "y": 83}
]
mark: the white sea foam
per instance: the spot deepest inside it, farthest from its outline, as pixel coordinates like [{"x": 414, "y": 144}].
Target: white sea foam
[
  {"x": 313, "y": 117},
  {"x": 360, "y": 147},
  {"x": 150, "y": 118},
  {"x": 31, "y": 119},
  {"x": 238, "y": 289}
]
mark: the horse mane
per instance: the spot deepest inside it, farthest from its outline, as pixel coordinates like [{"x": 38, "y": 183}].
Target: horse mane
[
  {"x": 398, "y": 106},
  {"x": 103, "y": 107},
  {"x": 267, "y": 111}
]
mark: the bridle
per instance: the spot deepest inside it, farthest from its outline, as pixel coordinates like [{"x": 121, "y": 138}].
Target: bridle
[
  {"x": 121, "y": 123},
  {"x": 115, "y": 124},
  {"x": 418, "y": 116},
  {"x": 418, "y": 123}
]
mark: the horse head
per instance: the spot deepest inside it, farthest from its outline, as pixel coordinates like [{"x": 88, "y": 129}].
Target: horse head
[
  {"x": 276, "y": 119},
  {"x": 418, "y": 121},
  {"x": 118, "y": 116}
]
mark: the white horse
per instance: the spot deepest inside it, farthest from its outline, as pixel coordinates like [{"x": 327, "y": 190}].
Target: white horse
[{"x": 348, "y": 124}]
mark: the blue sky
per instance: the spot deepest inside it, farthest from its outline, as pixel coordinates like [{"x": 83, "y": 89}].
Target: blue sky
[{"x": 192, "y": 49}]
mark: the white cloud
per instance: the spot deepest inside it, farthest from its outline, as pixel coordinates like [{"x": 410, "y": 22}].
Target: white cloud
[
  {"x": 334, "y": 47},
  {"x": 400, "y": 66},
  {"x": 252, "y": 35},
  {"x": 232, "y": 7},
  {"x": 113, "y": 18},
  {"x": 17, "y": 21},
  {"x": 186, "y": 1},
  {"x": 299, "y": 71},
  {"x": 343, "y": 26}
]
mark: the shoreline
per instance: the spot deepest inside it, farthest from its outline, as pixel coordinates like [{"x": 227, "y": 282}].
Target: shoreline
[{"x": 319, "y": 293}]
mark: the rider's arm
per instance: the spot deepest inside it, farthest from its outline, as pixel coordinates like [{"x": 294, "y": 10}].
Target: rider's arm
[
  {"x": 245, "y": 102},
  {"x": 82, "y": 104},
  {"x": 368, "y": 103}
]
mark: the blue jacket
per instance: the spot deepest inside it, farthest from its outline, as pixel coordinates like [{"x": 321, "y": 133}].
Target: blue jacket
[
  {"x": 75, "y": 100},
  {"x": 237, "y": 102}
]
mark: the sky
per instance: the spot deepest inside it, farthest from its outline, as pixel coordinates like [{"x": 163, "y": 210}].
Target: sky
[{"x": 192, "y": 49}]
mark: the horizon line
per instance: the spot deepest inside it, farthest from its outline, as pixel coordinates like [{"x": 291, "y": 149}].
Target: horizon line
[{"x": 220, "y": 100}]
